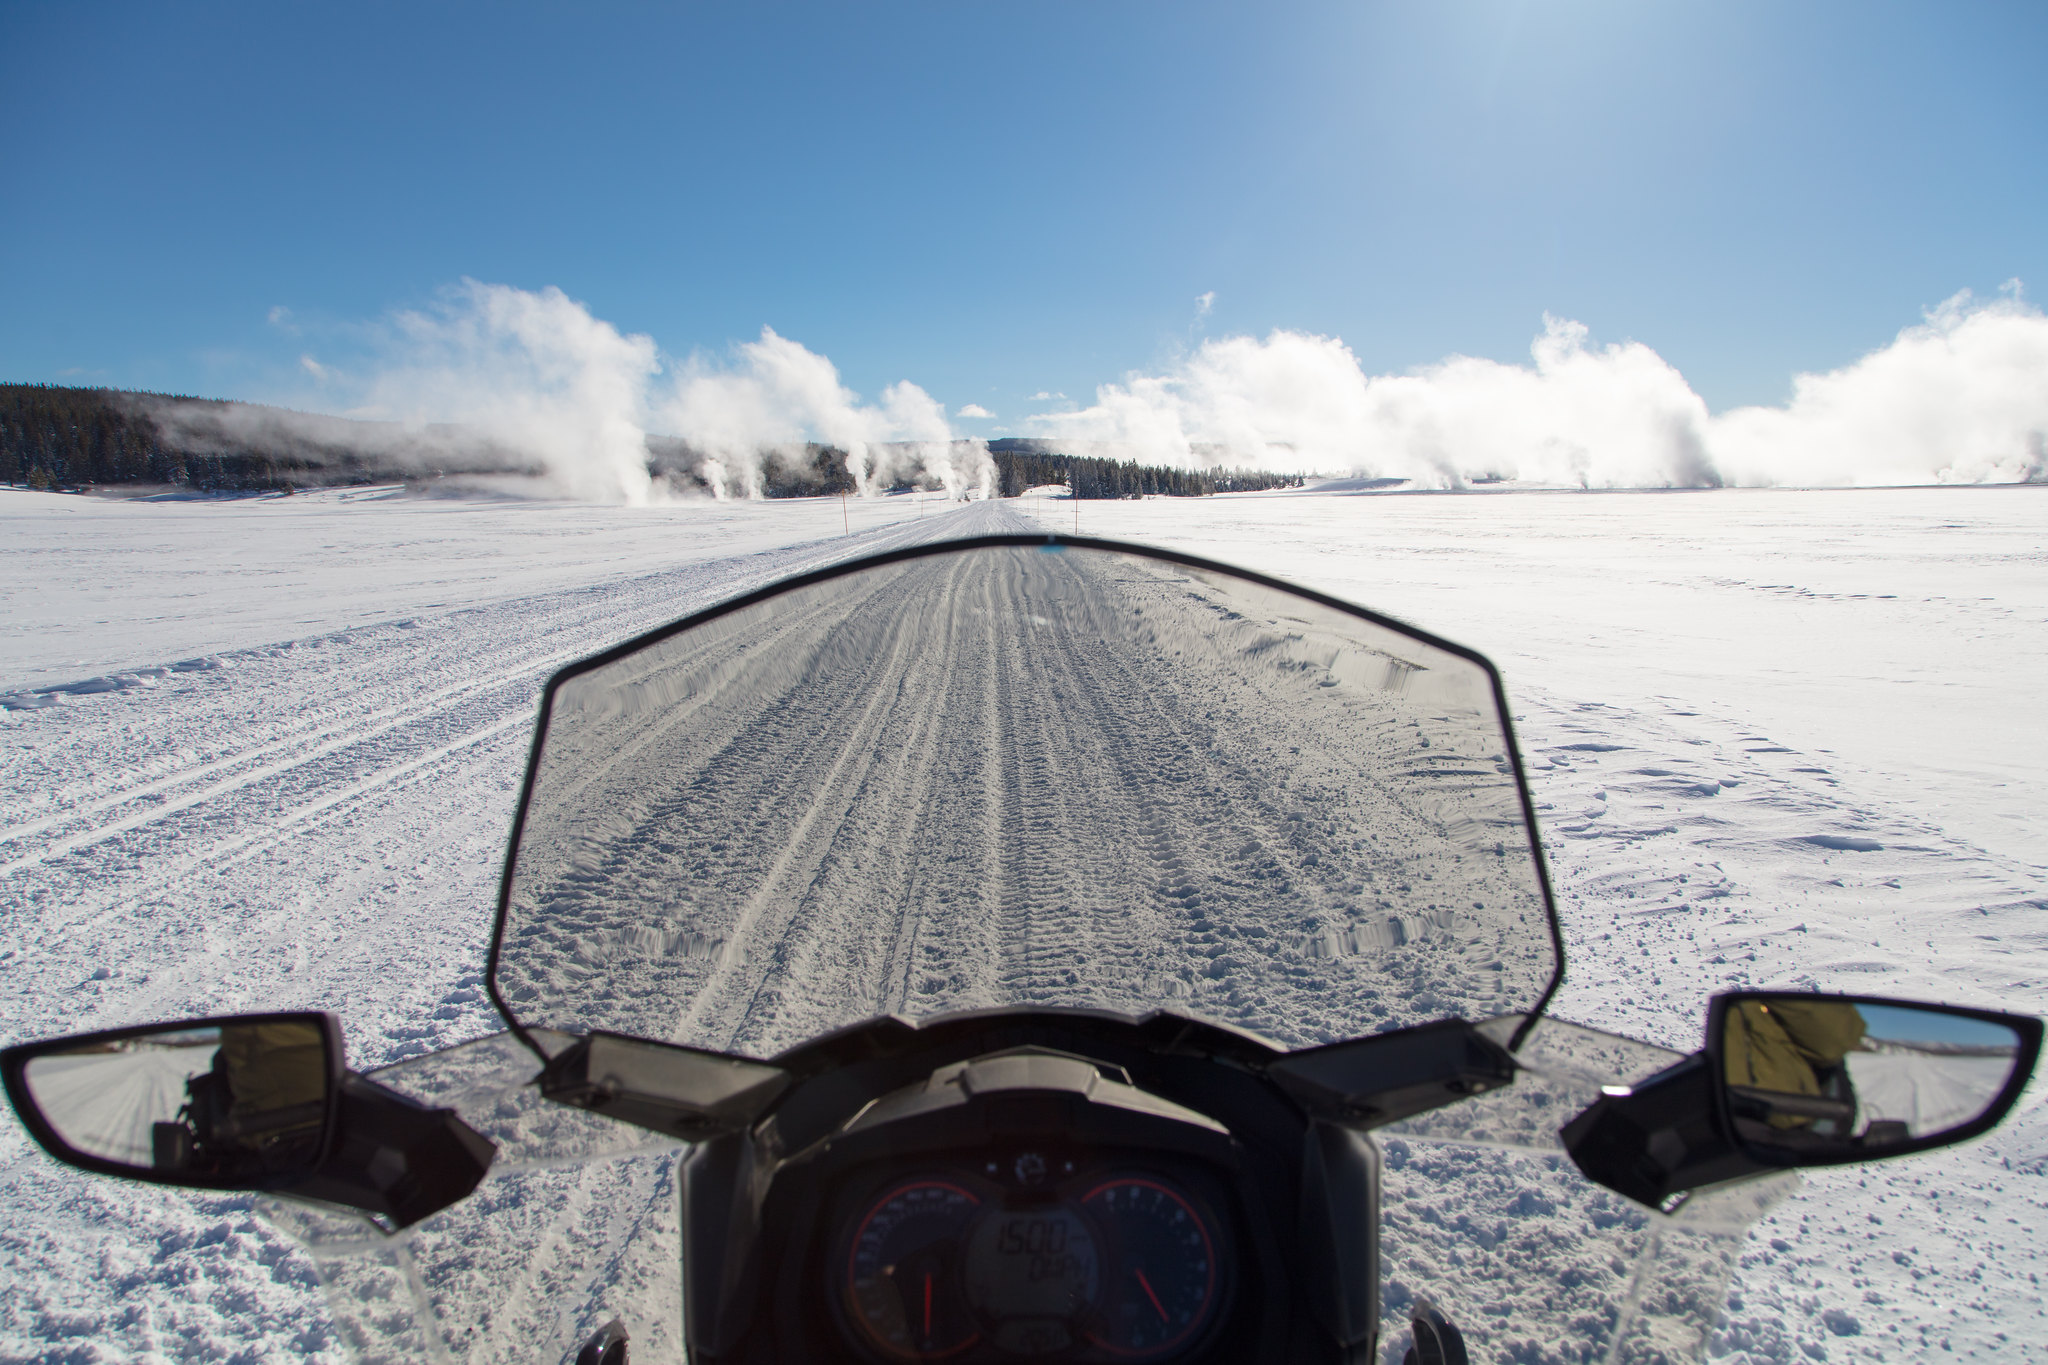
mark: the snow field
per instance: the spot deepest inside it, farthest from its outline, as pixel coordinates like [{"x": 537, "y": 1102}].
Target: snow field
[
  {"x": 1782, "y": 738},
  {"x": 1776, "y": 739}
]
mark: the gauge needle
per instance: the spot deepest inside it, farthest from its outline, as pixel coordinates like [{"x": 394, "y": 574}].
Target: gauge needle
[
  {"x": 1146, "y": 1285},
  {"x": 927, "y": 1305}
]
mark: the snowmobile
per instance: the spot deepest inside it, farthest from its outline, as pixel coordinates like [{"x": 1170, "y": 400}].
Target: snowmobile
[{"x": 1026, "y": 949}]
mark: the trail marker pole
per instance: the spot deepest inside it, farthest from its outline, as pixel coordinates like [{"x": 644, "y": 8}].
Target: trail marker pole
[{"x": 845, "y": 519}]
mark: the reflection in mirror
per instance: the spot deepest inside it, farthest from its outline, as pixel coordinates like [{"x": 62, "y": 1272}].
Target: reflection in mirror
[
  {"x": 227, "y": 1103},
  {"x": 1817, "y": 1074}
]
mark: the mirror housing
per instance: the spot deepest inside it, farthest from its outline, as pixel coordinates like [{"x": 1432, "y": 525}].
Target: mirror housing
[
  {"x": 1659, "y": 1138},
  {"x": 1824, "y": 1080},
  {"x": 396, "y": 1159},
  {"x": 1706, "y": 1120},
  {"x": 241, "y": 1102}
]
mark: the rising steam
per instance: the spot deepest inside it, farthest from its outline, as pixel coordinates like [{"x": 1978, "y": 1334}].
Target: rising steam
[
  {"x": 545, "y": 387},
  {"x": 780, "y": 396},
  {"x": 1960, "y": 398},
  {"x": 550, "y": 389}
]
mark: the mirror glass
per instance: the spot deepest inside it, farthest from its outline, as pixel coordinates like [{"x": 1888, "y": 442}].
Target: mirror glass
[
  {"x": 1826, "y": 1076},
  {"x": 220, "y": 1104}
]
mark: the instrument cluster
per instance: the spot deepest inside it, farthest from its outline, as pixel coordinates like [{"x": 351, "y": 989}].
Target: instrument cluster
[{"x": 1030, "y": 1254}]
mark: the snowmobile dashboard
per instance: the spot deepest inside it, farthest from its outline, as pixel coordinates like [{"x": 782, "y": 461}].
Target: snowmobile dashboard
[
  {"x": 1032, "y": 1190},
  {"x": 1027, "y": 1204},
  {"x": 1030, "y": 1249}
]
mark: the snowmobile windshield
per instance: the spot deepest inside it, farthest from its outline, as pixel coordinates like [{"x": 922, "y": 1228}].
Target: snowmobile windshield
[{"x": 1022, "y": 772}]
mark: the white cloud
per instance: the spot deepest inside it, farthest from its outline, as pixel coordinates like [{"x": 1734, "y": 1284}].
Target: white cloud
[
  {"x": 1203, "y": 303},
  {"x": 975, "y": 410},
  {"x": 280, "y": 317},
  {"x": 1044, "y": 397},
  {"x": 1963, "y": 397},
  {"x": 312, "y": 367}
]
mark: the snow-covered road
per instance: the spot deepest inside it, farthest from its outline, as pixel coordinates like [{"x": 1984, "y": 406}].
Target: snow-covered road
[{"x": 1780, "y": 738}]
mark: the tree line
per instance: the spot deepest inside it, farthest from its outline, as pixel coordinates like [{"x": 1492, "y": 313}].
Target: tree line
[
  {"x": 53, "y": 437},
  {"x": 1026, "y": 464}
]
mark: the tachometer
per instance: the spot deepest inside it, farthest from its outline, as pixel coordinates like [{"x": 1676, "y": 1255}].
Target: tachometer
[
  {"x": 903, "y": 1281},
  {"x": 1159, "y": 1264}
]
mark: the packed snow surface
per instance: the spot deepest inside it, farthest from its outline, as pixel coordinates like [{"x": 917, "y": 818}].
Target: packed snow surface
[{"x": 262, "y": 754}]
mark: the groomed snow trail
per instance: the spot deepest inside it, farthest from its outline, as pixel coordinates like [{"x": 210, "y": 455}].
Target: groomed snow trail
[{"x": 314, "y": 824}]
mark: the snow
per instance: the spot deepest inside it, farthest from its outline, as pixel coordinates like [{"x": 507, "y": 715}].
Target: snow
[
  {"x": 1783, "y": 738},
  {"x": 1926, "y": 1092},
  {"x": 1081, "y": 780},
  {"x": 105, "y": 1103}
]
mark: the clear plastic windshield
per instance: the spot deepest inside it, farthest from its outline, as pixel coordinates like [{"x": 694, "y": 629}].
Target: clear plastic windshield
[{"x": 1023, "y": 776}]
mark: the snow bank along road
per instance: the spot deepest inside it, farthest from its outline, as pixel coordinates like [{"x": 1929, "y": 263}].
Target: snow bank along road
[{"x": 1767, "y": 729}]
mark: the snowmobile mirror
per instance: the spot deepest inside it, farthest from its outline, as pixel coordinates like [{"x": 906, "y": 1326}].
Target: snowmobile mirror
[
  {"x": 1798, "y": 1079},
  {"x": 680, "y": 1091},
  {"x": 1817, "y": 1080},
  {"x": 239, "y": 1103}
]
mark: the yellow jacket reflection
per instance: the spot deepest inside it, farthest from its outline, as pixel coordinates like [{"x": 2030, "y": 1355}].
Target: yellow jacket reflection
[
  {"x": 271, "y": 1067},
  {"x": 1788, "y": 1045}
]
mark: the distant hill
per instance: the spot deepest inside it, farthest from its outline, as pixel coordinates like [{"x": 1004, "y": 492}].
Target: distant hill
[{"x": 70, "y": 439}]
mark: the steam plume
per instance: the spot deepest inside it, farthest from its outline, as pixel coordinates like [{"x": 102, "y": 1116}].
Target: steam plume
[
  {"x": 548, "y": 388},
  {"x": 1962, "y": 397},
  {"x": 534, "y": 379},
  {"x": 778, "y": 396}
]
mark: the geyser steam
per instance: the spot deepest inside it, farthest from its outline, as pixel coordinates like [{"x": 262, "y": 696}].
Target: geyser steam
[
  {"x": 1961, "y": 397},
  {"x": 780, "y": 396},
  {"x": 539, "y": 377}
]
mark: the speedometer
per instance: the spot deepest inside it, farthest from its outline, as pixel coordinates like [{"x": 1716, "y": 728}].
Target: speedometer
[
  {"x": 903, "y": 1283},
  {"x": 1108, "y": 1266},
  {"x": 1160, "y": 1255}
]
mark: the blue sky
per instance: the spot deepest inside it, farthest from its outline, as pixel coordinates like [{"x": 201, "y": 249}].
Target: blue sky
[{"x": 995, "y": 200}]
